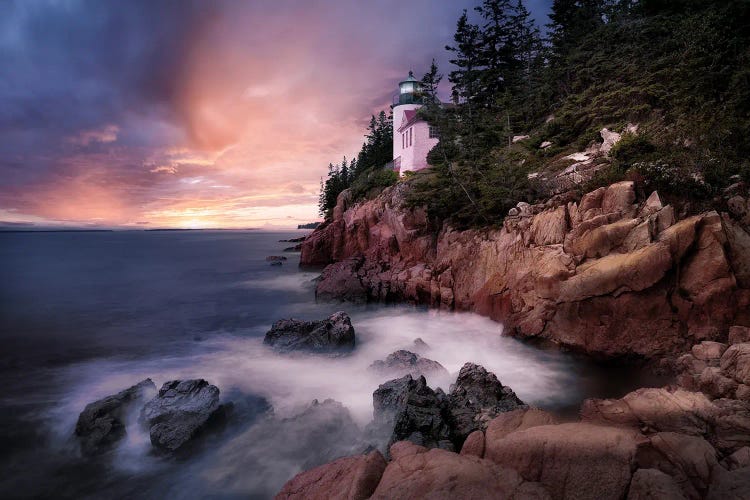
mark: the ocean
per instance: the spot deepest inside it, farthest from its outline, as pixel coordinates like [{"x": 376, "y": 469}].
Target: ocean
[{"x": 87, "y": 314}]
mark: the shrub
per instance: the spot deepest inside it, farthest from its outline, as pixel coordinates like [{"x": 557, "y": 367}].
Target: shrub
[{"x": 372, "y": 182}]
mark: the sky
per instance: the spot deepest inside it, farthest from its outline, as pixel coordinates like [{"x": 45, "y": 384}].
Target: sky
[{"x": 197, "y": 114}]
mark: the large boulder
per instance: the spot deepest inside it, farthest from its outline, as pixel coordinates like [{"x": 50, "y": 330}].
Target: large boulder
[
  {"x": 102, "y": 423},
  {"x": 181, "y": 410},
  {"x": 725, "y": 423},
  {"x": 349, "y": 478},
  {"x": 653, "y": 484},
  {"x": 331, "y": 335},
  {"x": 476, "y": 398},
  {"x": 689, "y": 460},
  {"x": 658, "y": 409},
  {"x": 517, "y": 420},
  {"x": 574, "y": 461},
  {"x": 407, "y": 409},
  {"x": 441, "y": 474},
  {"x": 735, "y": 363},
  {"x": 404, "y": 362},
  {"x": 732, "y": 485}
]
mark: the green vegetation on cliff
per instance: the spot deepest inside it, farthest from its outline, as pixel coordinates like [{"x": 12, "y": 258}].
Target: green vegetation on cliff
[{"x": 679, "y": 69}]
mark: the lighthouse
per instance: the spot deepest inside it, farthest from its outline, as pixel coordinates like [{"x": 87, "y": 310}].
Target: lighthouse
[{"x": 413, "y": 138}]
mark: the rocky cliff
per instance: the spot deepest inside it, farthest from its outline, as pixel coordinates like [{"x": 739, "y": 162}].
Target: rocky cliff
[{"x": 607, "y": 274}]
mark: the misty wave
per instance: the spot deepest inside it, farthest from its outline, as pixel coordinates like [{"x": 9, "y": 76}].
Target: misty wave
[
  {"x": 256, "y": 460},
  {"x": 285, "y": 282}
]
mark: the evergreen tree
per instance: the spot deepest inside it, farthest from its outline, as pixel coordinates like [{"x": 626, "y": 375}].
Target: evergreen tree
[
  {"x": 430, "y": 83},
  {"x": 467, "y": 58}
]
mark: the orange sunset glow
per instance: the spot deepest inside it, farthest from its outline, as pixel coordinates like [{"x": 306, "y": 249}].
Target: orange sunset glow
[{"x": 211, "y": 115}]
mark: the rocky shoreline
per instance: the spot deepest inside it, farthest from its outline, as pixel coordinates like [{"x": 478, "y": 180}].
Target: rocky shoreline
[
  {"x": 607, "y": 274},
  {"x": 610, "y": 275}
]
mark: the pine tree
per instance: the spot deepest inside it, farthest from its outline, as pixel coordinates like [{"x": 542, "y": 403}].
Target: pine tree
[
  {"x": 430, "y": 83},
  {"x": 467, "y": 59}
]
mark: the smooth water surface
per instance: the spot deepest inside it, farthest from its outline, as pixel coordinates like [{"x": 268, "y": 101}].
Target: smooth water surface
[{"x": 87, "y": 314}]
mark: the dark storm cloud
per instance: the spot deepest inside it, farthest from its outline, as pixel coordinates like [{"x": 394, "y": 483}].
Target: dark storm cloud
[
  {"x": 178, "y": 111},
  {"x": 72, "y": 66}
]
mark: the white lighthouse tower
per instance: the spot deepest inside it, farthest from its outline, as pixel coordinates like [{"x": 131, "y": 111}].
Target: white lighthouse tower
[{"x": 413, "y": 138}]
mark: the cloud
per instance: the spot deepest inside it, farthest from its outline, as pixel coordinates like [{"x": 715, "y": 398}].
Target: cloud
[{"x": 138, "y": 111}]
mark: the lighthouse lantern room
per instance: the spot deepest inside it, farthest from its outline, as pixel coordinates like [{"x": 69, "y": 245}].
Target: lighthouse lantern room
[{"x": 413, "y": 138}]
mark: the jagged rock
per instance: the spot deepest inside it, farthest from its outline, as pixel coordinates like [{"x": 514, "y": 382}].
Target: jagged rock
[
  {"x": 545, "y": 145},
  {"x": 407, "y": 409},
  {"x": 743, "y": 393},
  {"x": 652, "y": 484},
  {"x": 275, "y": 258},
  {"x": 725, "y": 423},
  {"x": 734, "y": 485},
  {"x": 474, "y": 444},
  {"x": 738, "y": 459},
  {"x": 689, "y": 460},
  {"x": 713, "y": 383},
  {"x": 659, "y": 409},
  {"x": 476, "y": 398},
  {"x": 340, "y": 281},
  {"x": 403, "y": 362},
  {"x": 181, "y": 410},
  {"x": 331, "y": 335},
  {"x": 102, "y": 423},
  {"x": 735, "y": 363},
  {"x": 349, "y": 478},
  {"x": 442, "y": 474},
  {"x": 277, "y": 263},
  {"x": 739, "y": 334},
  {"x": 708, "y": 351},
  {"x": 317, "y": 249},
  {"x": 574, "y": 461},
  {"x": 637, "y": 283}
]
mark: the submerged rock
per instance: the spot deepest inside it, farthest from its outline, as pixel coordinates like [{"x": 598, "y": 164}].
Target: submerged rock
[
  {"x": 275, "y": 258},
  {"x": 476, "y": 398},
  {"x": 102, "y": 423},
  {"x": 332, "y": 334},
  {"x": 404, "y": 362},
  {"x": 275, "y": 449},
  {"x": 181, "y": 410}
]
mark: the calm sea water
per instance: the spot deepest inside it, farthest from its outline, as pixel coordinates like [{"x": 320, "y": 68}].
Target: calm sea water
[{"x": 84, "y": 315}]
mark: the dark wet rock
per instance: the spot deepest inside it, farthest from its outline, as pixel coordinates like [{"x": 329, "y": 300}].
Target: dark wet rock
[
  {"x": 294, "y": 240},
  {"x": 476, "y": 398},
  {"x": 407, "y": 409},
  {"x": 277, "y": 263},
  {"x": 102, "y": 423},
  {"x": 275, "y": 258},
  {"x": 403, "y": 362},
  {"x": 420, "y": 345},
  {"x": 295, "y": 248},
  {"x": 333, "y": 334},
  {"x": 181, "y": 410}
]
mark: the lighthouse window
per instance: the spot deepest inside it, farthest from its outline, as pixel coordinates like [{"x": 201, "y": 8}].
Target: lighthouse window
[
  {"x": 411, "y": 138},
  {"x": 403, "y": 142}
]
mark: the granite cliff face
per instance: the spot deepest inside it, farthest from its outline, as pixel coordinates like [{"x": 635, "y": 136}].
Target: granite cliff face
[{"x": 607, "y": 274}]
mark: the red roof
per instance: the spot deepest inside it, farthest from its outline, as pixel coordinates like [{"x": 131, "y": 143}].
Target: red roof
[{"x": 410, "y": 117}]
